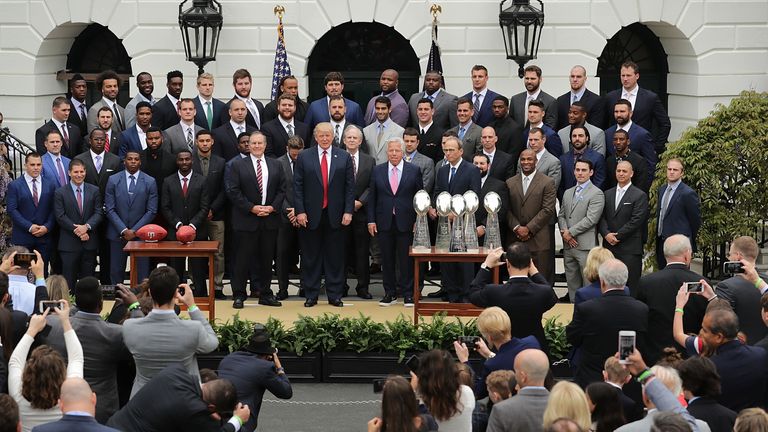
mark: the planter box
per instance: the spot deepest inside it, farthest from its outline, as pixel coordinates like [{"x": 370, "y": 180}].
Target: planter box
[
  {"x": 352, "y": 367},
  {"x": 306, "y": 368}
]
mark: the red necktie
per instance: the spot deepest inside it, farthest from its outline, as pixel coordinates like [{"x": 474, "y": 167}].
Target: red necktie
[
  {"x": 324, "y": 175},
  {"x": 184, "y": 187},
  {"x": 36, "y": 197},
  {"x": 106, "y": 145},
  {"x": 259, "y": 178},
  {"x": 80, "y": 201}
]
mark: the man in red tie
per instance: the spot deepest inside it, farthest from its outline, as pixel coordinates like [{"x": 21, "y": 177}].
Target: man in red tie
[{"x": 105, "y": 118}]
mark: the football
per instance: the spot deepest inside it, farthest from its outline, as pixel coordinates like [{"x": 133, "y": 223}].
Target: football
[
  {"x": 151, "y": 233},
  {"x": 185, "y": 234}
]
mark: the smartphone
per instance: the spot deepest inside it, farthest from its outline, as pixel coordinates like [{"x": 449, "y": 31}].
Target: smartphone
[
  {"x": 182, "y": 290},
  {"x": 378, "y": 385},
  {"x": 50, "y": 304},
  {"x": 694, "y": 287},
  {"x": 503, "y": 257},
  {"x": 24, "y": 260},
  {"x": 626, "y": 345},
  {"x": 470, "y": 341},
  {"x": 730, "y": 267},
  {"x": 107, "y": 292},
  {"x": 412, "y": 363}
]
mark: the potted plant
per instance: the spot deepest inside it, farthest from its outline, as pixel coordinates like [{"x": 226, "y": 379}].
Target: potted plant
[{"x": 559, "y": 347}]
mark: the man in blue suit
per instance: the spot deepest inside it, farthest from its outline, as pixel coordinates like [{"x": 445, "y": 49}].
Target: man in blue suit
[
  {"x": 391, "y": 218},
  {"x": 135, "y": 137},
  {"x": 55, "y": 164},
  {"x": 679, "y": 210},
  {"x": 318, "y": 110},
  {"x": 640, "y": 140},
  {"x": 130, "y": 202},
  {"x": 29, "y": 201},
  {"x": 78, "y": 404},
  {"x": 580, "y": 150},
  {"x": 482, "y": 97},
  {"x": 324, "y": 187}
]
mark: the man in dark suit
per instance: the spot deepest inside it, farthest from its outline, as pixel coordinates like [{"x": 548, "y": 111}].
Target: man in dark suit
[
  {"x": 679, "y": 209},
  {"x": 318, "y": 110},
  {"x": 388, "y": 83},
  {"x": 659, "y": 289},
  {"x": 104, "y": 118},
  {"x": 108, "y": 82},
  {"x": 501, "y": 166},
  {"x": 338, "y": 111},
  {"x": 639, "y": 138},
  {"x": 181, "y": 135},
  {"x": 79, "y": 212},
  {"x": 490, "y": 184},
  {"x": 536, "y": 120},
  {"x": 70, "y": 133},
  {"x": 165, "y": 112},
  {"x": 278, "y": 131},
  {"x": 226, "y": 135},
  {"x": 430, "y": 133},
  {"x": 646, "y": 107},
  {"x": 79, "y": 406},
  {"x": 78, "y": 90},
  {"x": 241, "y": 81},
  {"x": 624, "y": 221},
  {"x": 391, "y": 218},
  {"x": 508, "y": 131},
  {"x": 622, "y": 152},
  {"x": 358, "y": 240},
  {"x": 130, "y": 202},
  {"x": 701, "y": 386},
  {"x": 135, "y": 137},
  {"x": 185, "y": 201},
  {"x": 596, "y": 323},
  {"x": 208, "y": 109},
  {"x": 519, "y": 102},
  {"x": 290, "y": 85},
  {"x": 481, "y": 97},
  {"x": 444, "y": 103},
  {"x": 257, "y": 191},
  {"x": 156, "y": 161},
  {"x": 467, "y": 130},
  {"x": 323, "y": 181},
  {"x": 288, "y": 234},
  {"x": 580, "y": 150},
  {"x": 593, "y": 103}
]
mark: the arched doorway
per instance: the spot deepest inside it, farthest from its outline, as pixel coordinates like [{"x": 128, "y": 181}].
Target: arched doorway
[{"x": 361, "y": 51}]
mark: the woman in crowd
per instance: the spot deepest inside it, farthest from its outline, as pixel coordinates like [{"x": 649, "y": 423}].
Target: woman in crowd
[
  {"x": 568, "y": 400},
  {"x": 607, "y": 412},
  {"x": 437, "y": 384},
  {"x": 400, "y": 410},
  {"x": 57, "y": 287},
  {"x": 751, "y": 420},
  {"x": 597, "y": 255}
]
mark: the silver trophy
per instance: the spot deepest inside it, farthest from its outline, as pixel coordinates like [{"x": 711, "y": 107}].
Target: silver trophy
[
  {"x": 458, "y": 207},
  {"x": 443, "y": 205},
  {"x": 492, "y": 203},
  {"x": 470, "y": 224},
  {"x": 421, "y": 203}
]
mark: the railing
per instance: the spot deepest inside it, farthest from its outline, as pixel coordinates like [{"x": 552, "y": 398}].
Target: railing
[
  {"x": 715, "y": 256},
  {"x": 16, "y": 151}
]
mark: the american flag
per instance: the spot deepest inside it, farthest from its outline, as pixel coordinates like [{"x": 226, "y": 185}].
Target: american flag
[
  {"x": 434, "y": 63},
  {"x": 282, "y": 68}
]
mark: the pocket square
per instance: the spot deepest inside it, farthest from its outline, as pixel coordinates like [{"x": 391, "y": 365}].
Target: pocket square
[
  {"x": 626, "y": 203},
  {"x": 109, "y": 170}
]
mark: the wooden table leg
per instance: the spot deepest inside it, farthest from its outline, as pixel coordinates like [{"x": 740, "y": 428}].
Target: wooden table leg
[
  {"x": 211, "y": 289},
  {"x": 134, "y": 272},
  {"x": 416, "y": 293}
]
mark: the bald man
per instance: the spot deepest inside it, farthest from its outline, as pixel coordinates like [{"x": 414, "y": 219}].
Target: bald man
[
  {"x": 399, "y": 112},
  {"x": 524, "y": 411},
  {"x": 78, "y": 406}
]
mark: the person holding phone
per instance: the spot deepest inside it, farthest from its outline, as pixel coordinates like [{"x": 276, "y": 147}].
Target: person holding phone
[
  {"x": 24, "y": 296},
  {"x": 400, "y": 410}
]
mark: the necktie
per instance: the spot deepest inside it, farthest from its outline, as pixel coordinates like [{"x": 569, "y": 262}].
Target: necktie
[
  {"x": 35, "y": 196},
  {"x": 574, "y": 98},
  {"x": 476, "y": 106},
  {"x": 259, "y": 178},
  {"x": 106, "y": 140},
  {"x": 292, "y": 161},
  {"x": 577, "y": 195},
  {"x": 117, "y": 116},
  {"x": 664, "y": 205},
  {"x": 60, "y": 170},
  {"x": 354, "y": 167},
  {"x": 453, "y": 174},
  {"x": 336, "y": 134},
  {"x": 290, "y": 129},
  {"x": 422, "y": 131},
  {"x": 526, "y": 182},
  {"x": 462, "y": 130},
  {"x": 254, "y": 112},
  {"x": 209, "y": 114},
  {"x": 83, "y": 115},
  {"x": 189, "y": 138},
  {"x": 64, "y": 133},
  {"x": 240, "y": 130},
  {"x": 98, "y": 163},
  {"x": 132, "y": 184},
  {"x": 380, "y": 135},
  {"x": 324, "y": 175},
  {"x": 184, "y": 187},
  {"x": 204, "y": 163},
  {"x": 619, "y": 195},
  {"x": 393, "y": 180},
  {"x": 79, "y": 201}
]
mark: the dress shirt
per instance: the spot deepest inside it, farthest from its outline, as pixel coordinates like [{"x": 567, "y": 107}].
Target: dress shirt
[
  {"x": 482, "y": 179},
  {"x": 188, "y": 127},
  {"x": 328, "y": 158},
  {"x": 39, "y": 183},
  {"x": 22, "y": 292},
  {"x": 490, "y": 156},
  {"x": 408, "y": 157},
  {"x": 128, "y": 178},
  {"x": 539, "y": 155},
  {"x": 174, "y": 101},
  {"x": 620, "y": 192},
  {"x": 424, "y": 129},
  {"x": 342, "y": 124},
  {"x": 93, "y": 158},
  {"x": 181, "y": 182},
  {"x": 529, "y": 97},
  {"x": 235, "y": 127},
  {"x": 76, "y": 104},
  {"x": 142, "y": 137},
  {"x": 264, "y": 175},
  {"x": 579, "y": 94},
  {"x": 204, "y": 101},
  {"x": 626, "y": 126},
  {"x": 250, "y": 105},
  {"x": 355, "y": 159},
  {"x": 630, "y": 95},
  {"x": 482, "y": 92},
  {"x": 433, "y": 96},
  {"x": 670, "y": 189},
  {"x": 529, "y": 178},
  {"x": 293, "y": 125},
  {"x": 60, "y": 127},
  {"x": 453, "y": 168},
  {"x": 399, "y": 170},
  {"x": 111, "y": 105}
]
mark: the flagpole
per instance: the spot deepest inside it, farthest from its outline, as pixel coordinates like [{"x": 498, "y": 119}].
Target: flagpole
[
  {"x": 434, "y": 63},
  {"x": 281, "y": 68}
]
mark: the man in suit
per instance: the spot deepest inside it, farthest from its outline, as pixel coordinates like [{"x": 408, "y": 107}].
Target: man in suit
[
  {"x": 580, "y": 150},
  {"x": 29, "y": 202},
  {"x": 582, "y": 206},
  {"x": 596, "y": 323},
  {"x": 146, "y": 86},
  {"x": 70, "y": 133},
  {"x": 536, "y": 120},
  {"x": 338, "y": 112},
  {"x": 501, "y": 166},
  {"x": 399, "y": 109},
  {"x": 467, "y": 130},
  {"x": 622, "y": 152},
  {"x": 108, "y": 82},
  {"x": 181, "y": 135},
  {"x": 525, "y": 297},
  {"x": 532, "y": 197},
  {"x": 162, "y": 338},
  {"x": 166, "y": 110},
  {"x": 391, "y": 218},
  {"x": 130, "y": 202},
  {"x": 290, "y": 85},
  {"x": 79, "y": 406},
  {"x": 430, "y": 133},
  {"x": 508, "y": 131},
  {"x": 208, "y": 109},
  {"x": 701, "y": 386},
  {"x": 645, "y": 106},
  {"x": 79, "y": 212},
  {"x": 490, "y": 184},
  {"x": 639, "y": 138},
  {"x": 323, "y": 181},
  {"x": 577, "y": 116},
  {"x": 659, "y": 289},
  {"x": 156, "y": 161},
  {"x": 679, "y": 210},
  {"x": 358, "y": 240},
  {"x": 55, "y": 164},
  {"x": 111, "y": 139},
  {"x": 257, "y": 191},
  {"x": 525, "y": 410},
  {"x": 241, "y": 81},
  {"x": 378, "y": 133},
  {"x": 226, "y": 135},
  {"x": 78, "y": 89},
  {"x": 443, "y": 103},
  {"x": 624, "y": 221},
  {"x": 288, "y": 233},
  {"x": 519, "y": 102},
  {"x": 278, "y": 131},
  {"x": 412, "y": 155},
  {"x": 318, "y": 110},
  {"x": 480, "y": 97},
  {"x": 615, "y": 374},
  {"x": 592, "y": 104},
  {"x": 135, "y": 137}
]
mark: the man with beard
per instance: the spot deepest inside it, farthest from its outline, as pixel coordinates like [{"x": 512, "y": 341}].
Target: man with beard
[
  {"x": 519, "y": 102},
  {"x": 318, "y": 110},
  {"x": 166, "y": 111},
  {"x": 378, "y": 133},
  {"x": 109, "y": 84},
  {"x": 254, "y": 113},
  {"x": 337, "y": 108},
  {"x": 509, "y": 132},
  {"x": 399, "y": 111},
  {"x": 146, "y": 86},
  {"x": 580, "y": 145},
  {"x": 640, "y": 140},
  {"x": 536, "y": 113},
  {"x": 622, "y": 152},
  {"x": 444, "y": 103},
  {"x": 278, "y": 131},
  {"x": 111, "y": 138},
  {"x": 577, "y": 116},
  {"x": 155, "y": 160}
]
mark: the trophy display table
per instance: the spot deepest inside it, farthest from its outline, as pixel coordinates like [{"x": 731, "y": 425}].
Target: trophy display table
[
  {"x": 441, "y": 255},
  {"x": 174, "y": 249}
]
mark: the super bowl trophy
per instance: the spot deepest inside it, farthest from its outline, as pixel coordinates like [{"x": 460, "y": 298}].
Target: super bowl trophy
[
  {"x": 458, "y": 207},
  {"x": 443, "y": 205},
  {"x": 470, "y": 224},
  {"x": 492, "y": 203},
  {"x": 421, "y": 203}
]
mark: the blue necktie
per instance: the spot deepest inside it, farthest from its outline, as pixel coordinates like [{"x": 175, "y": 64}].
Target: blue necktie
[{"x": 453, "y": 174}]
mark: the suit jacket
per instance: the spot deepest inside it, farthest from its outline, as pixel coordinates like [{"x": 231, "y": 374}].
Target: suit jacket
[
  {"x": 378, "y": 149},
  {"x": 549, "y": 166},
  {"x": 525, "y": 300},
  {"x": 225, "y": 140},
  {"x": 596, "y": 138},
  {"x": 129, "y": 211},
  {"x": 114, "y": 143},
  {"x": 648, "y": 112},
  {"x": 285, "y": 164},
  {"x": 215, "y": 183},
  {"x": 485, "y": 116},
  {"x": 518, "y": 113},
  {"x": 745, "y": 301},
  {"x": 581, "y": 216},
  {"x": 467, "y": 178},
  {"x": 50, "y": 171},
  {"x": 398, "y": 110},
  {"x": 510, "y": 137},
  {"x": 277, "y": 136},
  {"x": 189, "y": 210},
  {"x": 117, "y": 126},
  {"x": 593, "y": 104},
  {"x": 270, "y": 110},
  {"x": 130, "y": 110},
  {"x": 683, "y": 213},
  {"x": 639, "y": 142},
  {"x": 165, "y": 113},
  {"x": 502, "y": 166},
  {"x": 640, "y": 177},
  {"x": 718, "y": 417},
  {"x": 471, "y": 142},
  {"x": 431, "y": 142},
  {"x": 743, "y": 374},
  {"x": 159, "y": 168},
  {"x": 308, "y": 186},
  {"x": 19, "y": 204},
  {"x": 595, "y": 328},
  {"x": 552, "y": 142},
  {"x": 76, "y": 119},
  {"x": 629, "y": 221},
  {"x": 567, "y": 164},
  {"x": 69, "y": 149},
  {"x": 129, "y": 141},
  {"x": 382, "y": 202},
  {"x": 217, "y": 110},
  {"x": 74, "y": 423},
  {"x": 318, "y": 113},
  {"x": 249, "y": 120},
  {"x": 109, "y": 166},
  {"x": 533, "y": 210},
  {"x": 444, "y": 105},
  {"x": 427, "y": 167},
  {"x": 522, "y": 412},
  {"x": 175, "y": 140},
  {"x": 243, "y": 192},
  {"x": 68, "y": 214},
  {"x": 362, "y": 186},
  {"x": 481, "y": 216}
]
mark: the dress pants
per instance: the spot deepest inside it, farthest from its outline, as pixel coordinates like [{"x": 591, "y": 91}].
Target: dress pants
[
  {"x": 117, "y": 263},
  {"x": 358, "y": 244},
  {"x": 254, "y": 247},
  {"x": 322, "y": 254},
  {"x": 77, "y": 265},
  {"x": 396, "y": 265},
  {"x": 634, "y": 263},
  {"x": 661, "y": 261},
  {"x": 216, "y": 232},
  {"x": 287, "y": 252},
  {"x": 104, "y": 254},
  {"x": 574, "y": 261}
]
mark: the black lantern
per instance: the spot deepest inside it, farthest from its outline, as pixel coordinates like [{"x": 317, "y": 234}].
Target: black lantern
[
  {"x": 521, "y": 26},
  {"x": 200, "y": 28}
]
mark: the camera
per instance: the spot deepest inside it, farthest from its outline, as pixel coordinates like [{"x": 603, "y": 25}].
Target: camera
[
  {"x": 469, "y": 341},
  {"x": 107, "y": 292},
  {"x": 694, "y": 287},
  {"x": 24, "y": 260},
  {"x": 733, "y": 267}
]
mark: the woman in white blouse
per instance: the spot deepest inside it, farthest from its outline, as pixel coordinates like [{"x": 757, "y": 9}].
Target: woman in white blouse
[
  {"x": 436, "y": 382},
  {"x": 35, "y": 384}
]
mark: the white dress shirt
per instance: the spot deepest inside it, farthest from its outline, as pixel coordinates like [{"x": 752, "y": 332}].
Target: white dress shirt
[{"x": 264, "y": 175}]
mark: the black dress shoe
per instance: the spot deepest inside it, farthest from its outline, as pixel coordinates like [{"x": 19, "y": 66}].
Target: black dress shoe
[
  {"x": 336, "y": 302},
  {"x": 219, "y": 295},
  {"x": 238, "y": 304},
  {"x": 363, "y": 293},
  {"x": 310, "y": 302},
  {"x": 437, "y": 294},
  {"x": 282, "y": 294},
  {"x": 269, "y": 301}
]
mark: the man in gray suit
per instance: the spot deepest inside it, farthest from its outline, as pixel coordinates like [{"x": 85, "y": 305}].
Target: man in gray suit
[
  {"x": 181, "y": 136},
  {"x": 518, "y": 109},
  {"x": 162, "y": 338},
  {"x": 109, "y": 84},
  {"x": 378, "y": 132},
  {"x": 545, "y": 162},
  {"x": 468, "y": 132},
  {"x": 525, "y": 410},
  {"x": 579, "y": 215},
  {"x": 577, "y": 116},
  {"x": 412, "y": 155},
  {"x": 444, "y": 103}
]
